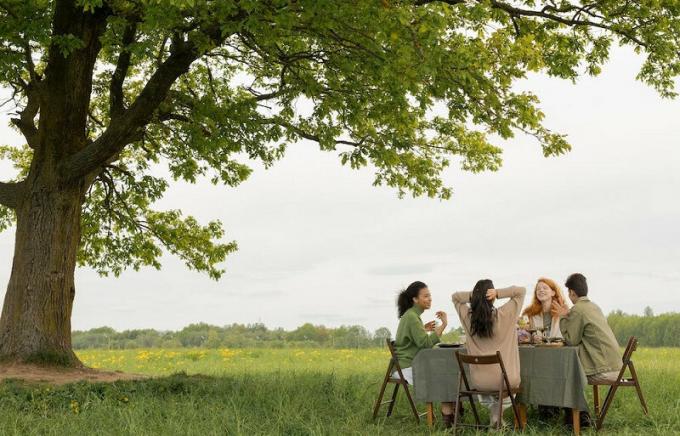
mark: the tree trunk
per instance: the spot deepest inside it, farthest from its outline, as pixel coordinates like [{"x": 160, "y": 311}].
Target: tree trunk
[{"x": 36, "y": 318}]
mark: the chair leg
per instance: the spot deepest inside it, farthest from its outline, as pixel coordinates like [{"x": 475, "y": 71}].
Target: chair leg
[
  {"x": 638, "y": 388},
  {"x": 412, "y": 403},
  {"x": 478, "y": 421},
  {"x": 378, "y": 403},
  {"x": 516, "y": 413},
  {"x": 455, "y": 413},
  {"x": 596, "y": 400},
  {"x": 643, "y": 403},
  {"x": 605, "y": 406},
  {"x": 499, "y": 422},
  {"x": 394, "y": 399}
]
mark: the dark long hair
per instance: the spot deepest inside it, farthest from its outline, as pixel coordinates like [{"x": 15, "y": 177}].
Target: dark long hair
[
  {"x": 481, "y": 310},
  {"x": 405, "y": 298}
]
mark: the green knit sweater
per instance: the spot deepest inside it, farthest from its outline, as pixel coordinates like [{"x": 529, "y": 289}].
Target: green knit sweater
[{"x": 412, "y": 337}]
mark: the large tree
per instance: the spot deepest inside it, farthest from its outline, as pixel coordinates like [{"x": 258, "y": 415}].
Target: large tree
[{"x": 104, "y": 90}]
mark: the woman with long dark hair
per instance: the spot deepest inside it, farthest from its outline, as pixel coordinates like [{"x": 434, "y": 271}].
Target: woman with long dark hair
[
  {"x": 490, "y": 329},
  {"x": 413, "y": 335}
]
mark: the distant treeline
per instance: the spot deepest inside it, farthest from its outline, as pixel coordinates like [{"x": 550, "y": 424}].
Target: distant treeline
[
  {"x": 232, "y": 336},
  {"x": 652, "y": 331}
]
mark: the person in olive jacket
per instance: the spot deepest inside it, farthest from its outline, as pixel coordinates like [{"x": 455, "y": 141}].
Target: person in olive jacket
[{"x": 586, "y": 327}]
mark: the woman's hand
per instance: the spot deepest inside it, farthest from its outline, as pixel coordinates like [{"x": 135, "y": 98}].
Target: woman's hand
[
  {"x": 559, "y": 310},
  {"x": 429, "y": 326},
  {"x": 439, "y": 330},
  {"x": 443, "y": 317},
  {"x": 491, "y": 294}
]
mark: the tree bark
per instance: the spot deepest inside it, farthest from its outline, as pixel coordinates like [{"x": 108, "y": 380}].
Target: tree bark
[
  {"x": 9, "y": 193},
  {"x": 35, "y": 325}
]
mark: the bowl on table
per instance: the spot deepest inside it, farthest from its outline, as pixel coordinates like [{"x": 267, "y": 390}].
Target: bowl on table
[{"x": 444, "y": 345}]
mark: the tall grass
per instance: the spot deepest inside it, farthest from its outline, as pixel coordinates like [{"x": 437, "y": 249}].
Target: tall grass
[{"x": 293, "y": 392}]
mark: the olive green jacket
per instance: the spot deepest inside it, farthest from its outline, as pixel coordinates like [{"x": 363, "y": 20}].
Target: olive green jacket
[
  {"x": 412, "y": 337},
  {"x": 587, "y": 328}
]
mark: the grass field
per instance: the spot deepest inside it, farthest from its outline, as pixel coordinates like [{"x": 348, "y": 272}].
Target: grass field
[{"x": 260, "y": 391}]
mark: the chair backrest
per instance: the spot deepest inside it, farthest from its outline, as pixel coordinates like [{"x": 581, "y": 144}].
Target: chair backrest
[
  {"x": 628, "y": 353},
  {"x": 390, "y": 346},
  {"x": 394, "y": 361},
  {"x": 489, "y": 359}
]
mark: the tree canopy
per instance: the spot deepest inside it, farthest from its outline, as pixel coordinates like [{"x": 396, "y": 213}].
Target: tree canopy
[{"x": 203, "y": 87}]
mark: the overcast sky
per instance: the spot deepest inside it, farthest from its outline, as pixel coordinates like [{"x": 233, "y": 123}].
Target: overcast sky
[{"x": 319, "y": 244}]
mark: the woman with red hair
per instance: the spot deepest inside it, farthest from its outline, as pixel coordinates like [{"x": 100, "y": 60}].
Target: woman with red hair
[{"x": 540, "y": 311}]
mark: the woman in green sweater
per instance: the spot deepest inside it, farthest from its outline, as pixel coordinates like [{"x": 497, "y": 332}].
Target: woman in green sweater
[{"x": 413, "y": 335}]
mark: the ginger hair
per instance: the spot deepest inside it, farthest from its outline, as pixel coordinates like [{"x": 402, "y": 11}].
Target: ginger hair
[{"x": 536, "y": 306}]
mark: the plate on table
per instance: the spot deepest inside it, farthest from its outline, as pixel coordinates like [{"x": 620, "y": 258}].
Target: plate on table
[
  {"x": 449, "y": 345},
  {"x": 551, "y": 344}
]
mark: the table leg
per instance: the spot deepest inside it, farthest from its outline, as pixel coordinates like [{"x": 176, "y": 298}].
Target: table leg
[
  {"x": 522, "y": 424},
  {"x": 576, "y": 421},
  {"x": 430, "y": 415},
  {"x": 523, "y": 415}
]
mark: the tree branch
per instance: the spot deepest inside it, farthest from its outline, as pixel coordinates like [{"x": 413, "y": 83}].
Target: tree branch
[
  {"x": 129, "y": 123},
  {"x": 25, "y": 43},
  {"x": 28, "y": 55},
  {"x": 129, "y": 126},
  {"x": 10, "y": 194},
  {"x": 448, "y": 2},
  {"x": 574, "y": 21},
  {"x": 27, "y": 115},
  {"x": 551, "y": 13},
  {"x": 31, "y": 89},
  {"x": 116, "y": 99}
]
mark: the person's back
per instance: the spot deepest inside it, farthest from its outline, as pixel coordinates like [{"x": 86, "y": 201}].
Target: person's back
[
  {"x": 587, "y": 327},
  {"x": 503, "y": 338}
]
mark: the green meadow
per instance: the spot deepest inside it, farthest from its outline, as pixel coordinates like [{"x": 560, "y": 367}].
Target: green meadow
[{"x": 275, "y": 391}]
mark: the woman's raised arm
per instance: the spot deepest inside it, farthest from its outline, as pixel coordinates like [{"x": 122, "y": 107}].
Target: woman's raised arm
[{"x": 516, "y": 295}]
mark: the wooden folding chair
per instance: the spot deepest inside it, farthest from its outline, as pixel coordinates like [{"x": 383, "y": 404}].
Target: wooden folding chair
[
  {"x": 397, "y": 381},
  {"x": 504, "y": 389},
  {"x": 620, "y": 382}
]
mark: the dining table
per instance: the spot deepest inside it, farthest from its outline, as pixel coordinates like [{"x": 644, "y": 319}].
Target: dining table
[{"x": 550, "y": 376}]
